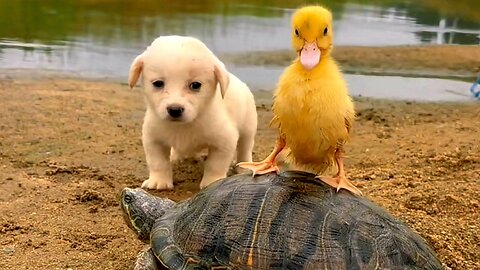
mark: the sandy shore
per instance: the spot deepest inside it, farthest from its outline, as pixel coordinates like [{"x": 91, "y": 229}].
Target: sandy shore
[{"x": 68, "y": 146}]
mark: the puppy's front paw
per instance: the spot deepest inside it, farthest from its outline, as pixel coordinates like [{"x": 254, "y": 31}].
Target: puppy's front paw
[{"x": 156, "y": 184}]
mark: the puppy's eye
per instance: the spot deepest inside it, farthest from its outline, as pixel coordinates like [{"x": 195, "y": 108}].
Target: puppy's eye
[
  {"x": 325, "y": 31},
  {"x": 296, "y": 33},
  {"x": 158, "y": 84},
  {"x": 195, "y": 86}
]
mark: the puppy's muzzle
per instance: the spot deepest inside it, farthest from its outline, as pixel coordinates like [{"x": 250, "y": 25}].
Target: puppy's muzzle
[{"x": 175, "y": 111}]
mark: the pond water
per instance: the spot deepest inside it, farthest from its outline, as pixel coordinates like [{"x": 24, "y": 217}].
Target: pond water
[
  {"x": 99, "y": 38},
  {"x": 386, "y": 87}
]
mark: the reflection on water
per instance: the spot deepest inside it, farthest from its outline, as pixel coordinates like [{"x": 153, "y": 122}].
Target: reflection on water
[
  {"x": 99, "y": 38},
  {"x": 386, "y": 87},
  {"x": 381, "y": 26}
]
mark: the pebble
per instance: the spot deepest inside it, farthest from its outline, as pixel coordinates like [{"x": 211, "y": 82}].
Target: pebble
[{"x": 8, "y": 250}]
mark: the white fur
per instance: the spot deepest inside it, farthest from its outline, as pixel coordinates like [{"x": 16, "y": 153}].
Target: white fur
[{"x": 221, "y": 117}]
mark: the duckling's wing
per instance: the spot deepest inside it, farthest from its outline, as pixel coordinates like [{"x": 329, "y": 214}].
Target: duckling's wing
[{"x": 348, "y": 124}]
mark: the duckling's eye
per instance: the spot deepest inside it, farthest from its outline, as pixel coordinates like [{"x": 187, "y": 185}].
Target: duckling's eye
[
  {"x": 159, "y": 84},
  {"x": 296, "y": 33},
  {"x": 195, "y": 86},
  {"x": 325, "y": 31}
]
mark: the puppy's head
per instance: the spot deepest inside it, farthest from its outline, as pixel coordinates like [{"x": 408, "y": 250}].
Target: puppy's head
[{"x": 180, "y": 76}]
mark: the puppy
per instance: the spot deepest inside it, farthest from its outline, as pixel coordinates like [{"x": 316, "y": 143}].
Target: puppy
[{"x": 193, "y": 104}]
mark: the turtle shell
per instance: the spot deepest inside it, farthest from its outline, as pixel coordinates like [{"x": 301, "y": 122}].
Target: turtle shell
[{"x": 286, "y": 221}]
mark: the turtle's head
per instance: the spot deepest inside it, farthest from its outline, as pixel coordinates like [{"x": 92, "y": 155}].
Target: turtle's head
[{"x": 140, "y": 210}]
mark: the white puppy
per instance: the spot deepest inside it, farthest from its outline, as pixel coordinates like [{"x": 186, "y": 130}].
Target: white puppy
[{"x": 193, "y": 103}]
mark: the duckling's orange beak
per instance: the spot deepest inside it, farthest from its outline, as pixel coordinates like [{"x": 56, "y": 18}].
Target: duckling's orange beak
[{"x": 310, "y": 55}]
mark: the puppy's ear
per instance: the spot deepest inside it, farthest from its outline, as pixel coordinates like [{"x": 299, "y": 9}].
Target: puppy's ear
[
  {"x": 135, "y": 70},
  {"x": 222, "y": 76}
]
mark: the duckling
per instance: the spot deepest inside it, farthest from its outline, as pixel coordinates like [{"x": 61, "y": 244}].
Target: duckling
[{"x": 312, "y": 108}]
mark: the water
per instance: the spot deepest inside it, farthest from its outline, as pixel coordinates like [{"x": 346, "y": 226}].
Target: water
[
  {"x": 386, "y": 87},
  {"x": 99, "y": 38}
]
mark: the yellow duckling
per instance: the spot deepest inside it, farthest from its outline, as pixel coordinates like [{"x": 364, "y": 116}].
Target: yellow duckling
[{"x": 312, "y": 108}]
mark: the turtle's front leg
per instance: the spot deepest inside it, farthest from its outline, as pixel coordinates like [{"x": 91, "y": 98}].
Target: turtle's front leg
[{"x": 146, "y": 260}]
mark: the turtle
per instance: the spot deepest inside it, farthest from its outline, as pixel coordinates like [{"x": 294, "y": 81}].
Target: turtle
[{"x": 288, "y": 220}]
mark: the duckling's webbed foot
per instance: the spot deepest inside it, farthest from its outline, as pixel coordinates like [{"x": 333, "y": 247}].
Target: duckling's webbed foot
[
  {"x": 340, "y": 180},
  {"x": 267, "y": 165},
  {"x": 261, "y": 167}
]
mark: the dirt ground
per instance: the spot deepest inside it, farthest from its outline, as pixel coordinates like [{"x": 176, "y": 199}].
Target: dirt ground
[{"x": 68, "y": 147}]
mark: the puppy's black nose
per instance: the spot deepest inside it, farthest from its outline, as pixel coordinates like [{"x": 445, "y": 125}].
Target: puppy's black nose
[{"x": 175, "y": 111}]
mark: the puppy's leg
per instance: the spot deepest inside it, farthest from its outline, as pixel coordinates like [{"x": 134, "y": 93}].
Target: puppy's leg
[
  {"x": 217, "y": 164},
  {"x": 245, "y": 148},
  {"x": 173, "y": 155},
  {"x": 157, "y": 156}
]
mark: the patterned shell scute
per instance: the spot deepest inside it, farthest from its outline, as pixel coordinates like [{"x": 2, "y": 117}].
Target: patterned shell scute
[{"x": 287, "y": 221}]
